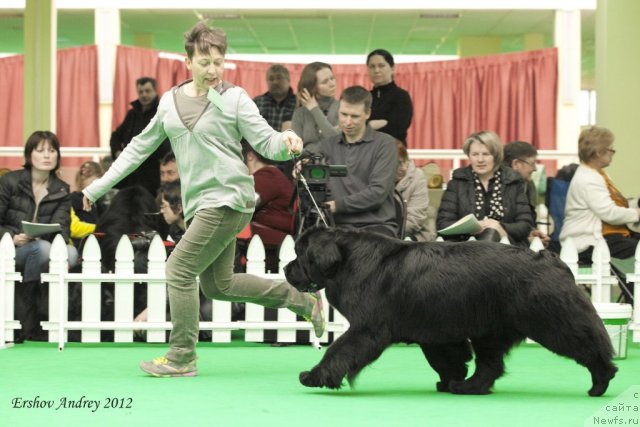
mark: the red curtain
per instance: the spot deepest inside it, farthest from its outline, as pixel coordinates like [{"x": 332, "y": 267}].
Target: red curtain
[
  {"x": 11, "y": 106},
  {"x": 77, "y": 101},
  {"x": 77, "y": 123},
  {"x": 511, "y": 94}
]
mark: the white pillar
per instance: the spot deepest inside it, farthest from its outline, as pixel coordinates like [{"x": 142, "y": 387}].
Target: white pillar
[
  {"x": 567, "y": 40},
  {"x": 107, "y": 38}
]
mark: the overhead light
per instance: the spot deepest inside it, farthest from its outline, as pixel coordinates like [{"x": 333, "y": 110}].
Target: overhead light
[{"x": 443, "y": 15}]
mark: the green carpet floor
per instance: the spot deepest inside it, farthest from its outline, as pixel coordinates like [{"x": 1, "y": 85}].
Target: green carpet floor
[{"x": 243, "y": 384}]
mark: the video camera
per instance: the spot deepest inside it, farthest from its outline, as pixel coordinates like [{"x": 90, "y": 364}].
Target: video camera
[{"x": 317, "y": 173}]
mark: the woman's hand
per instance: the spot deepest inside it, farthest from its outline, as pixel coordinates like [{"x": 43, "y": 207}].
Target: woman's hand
[
  {"x": 86, "y": 204},
  {"x": 293, "y": 142},
  {"x": 21, "y": 239},
  {"x": 378, "y": 124},
  {"x": 308, "y": 100},
  {"x": 492, "y": 223}
]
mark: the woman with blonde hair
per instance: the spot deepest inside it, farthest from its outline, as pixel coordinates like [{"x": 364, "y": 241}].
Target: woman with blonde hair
[
  {"x": 317, "y": 114},
  {"x": 492, "y": 192},
  {"x": 88, "y": 172}
]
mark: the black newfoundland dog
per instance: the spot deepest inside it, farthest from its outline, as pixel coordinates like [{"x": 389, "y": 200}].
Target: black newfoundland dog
[{"x": 450, "y": 298}]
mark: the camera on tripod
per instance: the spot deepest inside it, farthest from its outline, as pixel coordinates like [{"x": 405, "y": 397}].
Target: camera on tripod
[{"x": 317, "y": 173}]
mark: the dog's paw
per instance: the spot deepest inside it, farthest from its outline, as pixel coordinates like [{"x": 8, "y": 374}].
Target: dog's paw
[
  {"x": 315, "y": 378},
  {"x": 442, "y": 387},
  {"x": 309, "y": 380},
  {"x": 467, "y": 387}
]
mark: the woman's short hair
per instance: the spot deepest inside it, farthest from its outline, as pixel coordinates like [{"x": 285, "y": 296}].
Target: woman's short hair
[
  {"x": 403, "y": 154},
  {"x": 308, "y": 79},
  {"x": 384, "y": 53},
  {"x": 247, "y": 148},
  {"x": 203, "y": 37},
  {"x": 170, "y": 191},
  {"x": 490, "y": 140},
  {"x": 593, "y": 141},
  {"x": 34, "y": 140}
]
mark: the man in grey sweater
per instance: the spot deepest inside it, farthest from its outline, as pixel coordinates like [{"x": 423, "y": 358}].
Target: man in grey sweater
[{"x": 364, "y": 198}]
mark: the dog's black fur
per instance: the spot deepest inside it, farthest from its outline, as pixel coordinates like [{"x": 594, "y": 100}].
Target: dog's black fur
[{"x": 451, "y": 299}]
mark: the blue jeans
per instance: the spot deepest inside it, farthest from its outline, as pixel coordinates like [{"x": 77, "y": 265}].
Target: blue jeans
[{"x": 33, "y": 259}]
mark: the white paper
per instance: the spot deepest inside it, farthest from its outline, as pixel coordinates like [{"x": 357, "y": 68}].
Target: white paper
[
  {"x": 466, "y": 225},
  {"x": 34, "y": 229}
]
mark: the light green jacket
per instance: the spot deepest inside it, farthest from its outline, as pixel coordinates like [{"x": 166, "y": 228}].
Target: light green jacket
[{"x": 209, "y": 157}]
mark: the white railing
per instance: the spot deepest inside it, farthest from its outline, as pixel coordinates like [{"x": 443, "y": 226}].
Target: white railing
[
  {"x": 8, "y": 277},
  {"x": 599, "y": 278},
  {"x": 124, "y": 279},
  {"x": 635, "y": 279},
  {"x": 455, "y": 155}
]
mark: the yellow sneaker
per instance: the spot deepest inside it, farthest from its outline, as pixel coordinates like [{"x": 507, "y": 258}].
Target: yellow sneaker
[
  {"x": 163, "y": 367},
  {"x": 317, "y": 315}
]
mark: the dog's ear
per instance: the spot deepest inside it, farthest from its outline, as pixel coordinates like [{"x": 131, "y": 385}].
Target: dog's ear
[{"x": 323, "y": 257}]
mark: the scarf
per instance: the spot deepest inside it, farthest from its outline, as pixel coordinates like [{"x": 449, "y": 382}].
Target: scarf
[
  {"x": 324, "y": 102},
  {"x": 496, "y": 210}
]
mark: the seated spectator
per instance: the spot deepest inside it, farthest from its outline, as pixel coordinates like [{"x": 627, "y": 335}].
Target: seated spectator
[
  {"x": 489, "y": 190},
  {"x": 131, "y": 213},
  {"x": 364, "y": 198},
  {"x": 35, "y": 194},
  {"x": 273, "y": 191},
  {"x": 168, "y": 168},
  {"x": 412, "y": 186},
  {"x": 170, "y": 204},
  {"x": 272, "y": 219},
  {"x": 317, "y": 114},
  {"x": 595, "y": 208},
  {"x": 522, "y": 157},
  {"x": 88, "y": 172}
]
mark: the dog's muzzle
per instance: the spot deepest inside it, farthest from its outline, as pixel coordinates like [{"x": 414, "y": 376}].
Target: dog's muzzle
[{"x": 312, "y": 287}]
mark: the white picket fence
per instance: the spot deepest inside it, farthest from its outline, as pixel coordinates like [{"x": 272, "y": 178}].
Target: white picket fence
[
  {"x": 598, "y": 277},
  {"x": 125, "y": 279}
]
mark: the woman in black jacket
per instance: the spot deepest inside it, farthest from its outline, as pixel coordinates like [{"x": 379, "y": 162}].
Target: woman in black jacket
[
  {"x": 493, "y": 193},
  {"x": 392, "y": 108},
  {"x": 35, "y": 194}
]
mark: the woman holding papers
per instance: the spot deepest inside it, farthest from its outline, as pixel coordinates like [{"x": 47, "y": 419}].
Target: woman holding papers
[
  {"x": 494, "y": 194},
  {"x": 35, "y": 194}
]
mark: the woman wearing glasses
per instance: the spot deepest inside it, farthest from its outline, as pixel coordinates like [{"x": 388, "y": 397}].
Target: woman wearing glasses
[
  {"x": 492, "y": 192},
  {"x": 595, "y": 208}
]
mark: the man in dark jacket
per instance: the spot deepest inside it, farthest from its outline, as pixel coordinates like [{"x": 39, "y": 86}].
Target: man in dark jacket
[{"x": 137, "y": 118}]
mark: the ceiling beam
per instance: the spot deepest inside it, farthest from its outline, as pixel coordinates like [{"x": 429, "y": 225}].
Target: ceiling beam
[{"x": 325, "y": 5}]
